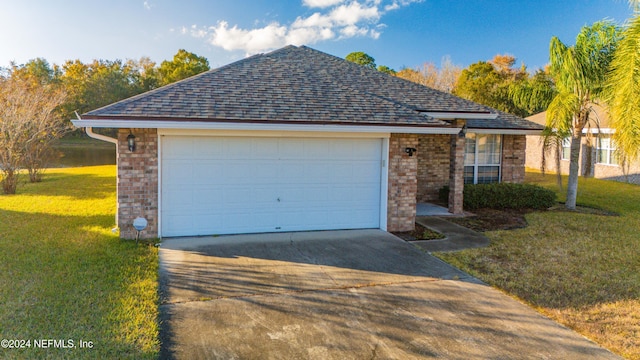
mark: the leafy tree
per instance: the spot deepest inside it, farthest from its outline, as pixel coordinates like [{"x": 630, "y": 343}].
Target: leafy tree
[
  {"x": 362, "y": 58},
  {"x": 623, "y": 89},
  {"x": 74, "y": 79},
  {"x": 184, "y": 64},
  {"x": 36, "y": 70},
  {"x": 579, "y": 72},
  {"x": 101, "y": 82},
  {"x": 501, "y": 85},
  {"x": 145, "y": 74},
  {"x": 479, "y": 83},
  {"x": 387, "y": 70},
  {"x": 108, "y": 82}
]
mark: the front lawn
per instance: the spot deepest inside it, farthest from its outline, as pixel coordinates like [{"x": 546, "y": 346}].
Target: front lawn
[
  {"x": 581, "y": 269},
  {"x": 64, "y": 276}
]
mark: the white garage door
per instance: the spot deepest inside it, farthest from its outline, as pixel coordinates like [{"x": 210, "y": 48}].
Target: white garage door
[{"x": 232, "y": 185}]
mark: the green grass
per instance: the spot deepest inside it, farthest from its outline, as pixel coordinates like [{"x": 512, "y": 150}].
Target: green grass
[
  {"x": 582, "y": 270},
  {"x": 65, "y": 275}
]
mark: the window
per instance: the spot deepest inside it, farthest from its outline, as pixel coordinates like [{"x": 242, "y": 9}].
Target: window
[
  {"x": 606, "y": 152},
  {"x": 482, "y": 154},
  {"x": 566, "y": 148}
]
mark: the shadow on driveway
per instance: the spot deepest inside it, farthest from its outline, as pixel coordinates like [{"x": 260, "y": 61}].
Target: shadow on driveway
[{"x": 340, "y": 295}]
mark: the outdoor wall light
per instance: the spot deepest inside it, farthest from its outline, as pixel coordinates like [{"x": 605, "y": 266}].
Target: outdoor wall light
[
  {"x": 139, "y": 224},
  {"x": 131, "y": 141},
  {"x": 410, "y": 151},
  {"x": 463, "y": 131}
]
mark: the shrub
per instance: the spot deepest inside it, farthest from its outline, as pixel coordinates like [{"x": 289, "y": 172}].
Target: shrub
[{"x": 504, "y": 196}]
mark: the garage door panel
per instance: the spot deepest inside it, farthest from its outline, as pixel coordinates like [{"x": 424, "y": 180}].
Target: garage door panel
[
  {"x": 238, "y": 148},
  {"x": 180, "y": 173},
  {"x": 178, "y": 148},
  {"x": 265, "y": 148},
  {"x": 233, "y": 184},
  {"x": 210, "y": 150},
  {"x": 180, "y": 200},
  {"x": 204, "y": 199},
  {"x": 317, "y": 149},
  {"x": 206, "y": 171},
  {"x": 367, "y": 170}
]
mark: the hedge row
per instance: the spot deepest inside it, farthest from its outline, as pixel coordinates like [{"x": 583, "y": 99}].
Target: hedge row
[{"x": 504, "y": 196}]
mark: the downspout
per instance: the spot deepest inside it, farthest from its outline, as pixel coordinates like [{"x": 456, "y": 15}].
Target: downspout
[
  {"x": 91, "y": 134},
  {"x": 89, "y": 131}
]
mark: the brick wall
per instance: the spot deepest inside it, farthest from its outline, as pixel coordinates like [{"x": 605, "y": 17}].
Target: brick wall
[
  {"x": 513, "y": 158},
  {"x": 433, "y": 165},
  {"x": 456, "y": 172},
  {"x": 401, "y": 205},
  {"x": 138, "y": 182}
]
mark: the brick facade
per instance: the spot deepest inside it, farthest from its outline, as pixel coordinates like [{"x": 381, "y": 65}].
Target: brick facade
[
  {"x": 456, "y": 172},
  {"x": 138, "y": 182},
  {"x": 513, "y": 158},
  {"x": 433, "y": 165},
  {"x": 412, "y": 179},
  {"x": 401, "y": 205}
]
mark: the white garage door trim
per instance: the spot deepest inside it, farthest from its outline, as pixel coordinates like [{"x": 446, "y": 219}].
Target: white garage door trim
[{"x": 383, "y": 185}]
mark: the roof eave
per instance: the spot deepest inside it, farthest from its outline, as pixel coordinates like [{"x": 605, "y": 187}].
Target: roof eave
[
  {"x": 452, "y": 115},
  {"x": 208, "y": 125},
  {"x": 506, "y": 131}
]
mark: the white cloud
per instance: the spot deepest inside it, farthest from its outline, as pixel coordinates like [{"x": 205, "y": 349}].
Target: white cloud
[
  {"x": 354, "y": 13},
  {"x": 391, "y": 7},
  {"x": 147, "y": 4},
  {"x": 337, "y": 19},
  {"x": 321, "y": 3},
  {"x": 251, "y": 41}
]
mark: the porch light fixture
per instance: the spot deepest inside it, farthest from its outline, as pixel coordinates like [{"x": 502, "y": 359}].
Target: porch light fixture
[
  {"x": 410, "y": 150},
  {"x": 131, "y": 141},
  {"x": 463, "y": 131}
]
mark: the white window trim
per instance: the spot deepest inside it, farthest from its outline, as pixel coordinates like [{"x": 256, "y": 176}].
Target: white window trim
[
  {"x": 476, "y": 165},
  {"x": 566, "y": 143},
  {"x": 610, "y": 150}
]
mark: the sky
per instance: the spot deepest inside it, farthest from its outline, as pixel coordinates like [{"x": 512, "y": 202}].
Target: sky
[{"x": 397, "y": 33}]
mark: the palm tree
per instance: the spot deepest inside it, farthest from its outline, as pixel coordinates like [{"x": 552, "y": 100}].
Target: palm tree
[
  {"x": 579, "y": 72},
  {"x": 623, "y": 89}
]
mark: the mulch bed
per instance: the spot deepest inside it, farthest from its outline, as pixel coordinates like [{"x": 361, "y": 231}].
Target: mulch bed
[
  {"x": 419, "y": 233},
  {"x": 491, "y": 220},
  {"x": 508, "y": 219}
]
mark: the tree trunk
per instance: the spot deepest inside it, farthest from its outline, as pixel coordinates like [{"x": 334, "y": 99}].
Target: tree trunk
[{"x": 574, "y": 167}]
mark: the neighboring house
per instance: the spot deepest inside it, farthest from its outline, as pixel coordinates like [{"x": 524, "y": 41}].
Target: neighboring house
[
  {"x": 598, "y": 154},
  {"x": 295, "y": 140}
]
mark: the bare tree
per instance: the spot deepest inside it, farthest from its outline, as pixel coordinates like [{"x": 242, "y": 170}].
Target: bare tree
[
  {"x": 28, "y": 125},
  {"x": 443, "y": 78}
]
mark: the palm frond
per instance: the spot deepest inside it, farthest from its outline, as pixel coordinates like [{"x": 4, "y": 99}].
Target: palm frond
[
  {"x": 623, "y": 91},
  {"x": 561, "y": 112}
]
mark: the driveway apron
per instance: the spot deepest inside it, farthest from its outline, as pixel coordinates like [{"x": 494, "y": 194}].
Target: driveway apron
[{"x": 341, "y": 295}]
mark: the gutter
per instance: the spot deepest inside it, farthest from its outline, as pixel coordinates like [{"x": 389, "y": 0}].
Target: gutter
[
  {"x": 89, "y": 131},
  {"x": 204, "y": 125}
]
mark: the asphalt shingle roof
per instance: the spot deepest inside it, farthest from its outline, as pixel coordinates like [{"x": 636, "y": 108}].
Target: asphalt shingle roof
[
  {"x": 297, "y": 85},
  {"x": 504, "y": 121}
]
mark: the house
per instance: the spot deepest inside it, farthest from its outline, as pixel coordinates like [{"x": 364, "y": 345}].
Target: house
[
  {"x": 598, "y": 155},
  {"x": 296, "y": 140}
]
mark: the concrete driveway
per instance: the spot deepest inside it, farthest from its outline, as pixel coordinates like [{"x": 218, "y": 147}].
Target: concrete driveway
[{"x": 361, "y": 294}]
